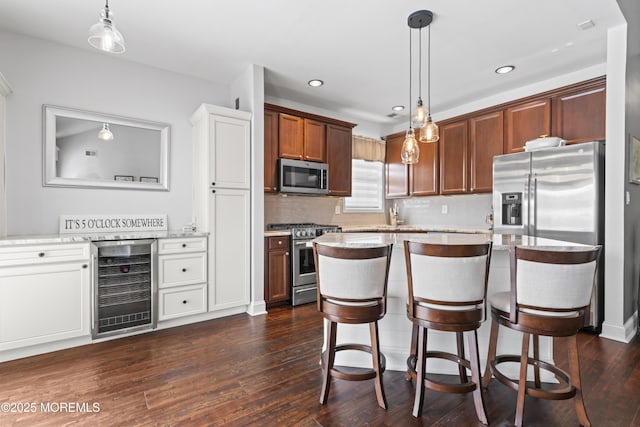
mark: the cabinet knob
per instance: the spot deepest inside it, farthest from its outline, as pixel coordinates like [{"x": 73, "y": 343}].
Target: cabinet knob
[
  {"x": 279, "y": 242},
  {"x": 41, "y": 254},
  {"x": 213, "y": 191},
  {"x": 84, "y": 266},
  {"x": 184, "y": 245},
  {"x": 184, "y": 301},
  {"x": 286, "y": 253},
  {"x": 213, "y": 183},
  {"x": 184, "y": 270},
  {"x": 275, "y": 188}
]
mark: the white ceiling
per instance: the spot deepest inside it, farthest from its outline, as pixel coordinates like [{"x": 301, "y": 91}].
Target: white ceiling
[{"x": 358, "y": 47}]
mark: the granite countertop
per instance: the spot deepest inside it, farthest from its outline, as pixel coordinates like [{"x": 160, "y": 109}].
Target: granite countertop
[
  {"x": 81, "y": 238},
  {"x": 500, "y": 241},
  {"x": 276, "y": 233},
  {"x": 409, "y": 228}
]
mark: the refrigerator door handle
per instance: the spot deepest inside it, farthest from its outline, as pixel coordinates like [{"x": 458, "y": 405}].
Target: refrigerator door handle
[
  {"x": 533, "y": 204},
  {"x": 526, "y": 205}
]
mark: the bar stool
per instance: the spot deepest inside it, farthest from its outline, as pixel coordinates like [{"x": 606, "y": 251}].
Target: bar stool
[
  {"x": 352, "y": 288},
  {"x": 447, "y": 286},
  {"x": 550, "y": 296}
]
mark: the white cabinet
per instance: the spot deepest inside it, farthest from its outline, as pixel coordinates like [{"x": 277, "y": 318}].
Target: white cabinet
[
  {"x": 222, "y": 202},
  {"x": 182, "y": 277},
  {"x": 44, "y": 294}
]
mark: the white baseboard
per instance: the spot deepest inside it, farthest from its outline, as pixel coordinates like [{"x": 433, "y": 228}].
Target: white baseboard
[
  {"x": 624, "y": 333},
  {"x": 257, "y": 308}
]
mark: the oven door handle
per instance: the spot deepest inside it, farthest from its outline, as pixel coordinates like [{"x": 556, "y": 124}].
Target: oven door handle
[
  {"x": 299, "y": 291},
  {"x": 301, "y": 243}
]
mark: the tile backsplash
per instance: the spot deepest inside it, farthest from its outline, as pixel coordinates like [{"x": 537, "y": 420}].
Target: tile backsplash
[{"x": 462, "y": 211}]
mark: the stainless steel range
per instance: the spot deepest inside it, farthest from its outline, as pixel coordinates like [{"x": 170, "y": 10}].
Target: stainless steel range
[{"x": 303, "y": 268}]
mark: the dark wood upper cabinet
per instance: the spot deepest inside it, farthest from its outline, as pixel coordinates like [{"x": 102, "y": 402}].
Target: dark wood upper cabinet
[
  {"x": 486, "y": 138},
  {"x": 314, "y": 141},
  {"x": 453, "y": 157},
  {"x": 291, "y": 142},
  {"x": 339, "y": 160},
  {"x": 271, "y": 120},
  {"x": 527, "y": 121},
  {"x": 397, "y": 173},
  {"x": 579, "y": 115},
  {"x": 423, "y": 176}
]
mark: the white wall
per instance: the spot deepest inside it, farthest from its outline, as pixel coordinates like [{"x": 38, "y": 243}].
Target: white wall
[
  {"x": 5, "y": 90},
  {"x": 46, "y": 73}
]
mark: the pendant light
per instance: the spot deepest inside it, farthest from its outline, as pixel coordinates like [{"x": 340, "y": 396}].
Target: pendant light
[
  {"x": 429, "y": 132},
  {"x": 410, "y": 152},
  {"x": 104, "y": 36},
  {"x": 105, "y": 134},
  {"x": 419, "y": 20}
]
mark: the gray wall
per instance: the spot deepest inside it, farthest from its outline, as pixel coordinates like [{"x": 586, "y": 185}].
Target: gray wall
[{"x": 46, "y": 73}]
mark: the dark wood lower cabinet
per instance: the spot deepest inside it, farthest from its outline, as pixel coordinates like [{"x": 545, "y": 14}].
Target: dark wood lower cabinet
[{"x": 277, "y": 270}]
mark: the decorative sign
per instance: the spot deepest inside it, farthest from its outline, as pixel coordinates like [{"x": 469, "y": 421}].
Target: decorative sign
[{"x": 112, "y": 223}]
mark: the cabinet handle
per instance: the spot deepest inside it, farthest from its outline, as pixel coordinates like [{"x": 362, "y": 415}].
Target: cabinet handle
[
  {"x": 184, "y": 270},
  {"x": 184, "y": 301},
  {"x": 184, "y": 245},
  {"x": 41, "y": 254}
]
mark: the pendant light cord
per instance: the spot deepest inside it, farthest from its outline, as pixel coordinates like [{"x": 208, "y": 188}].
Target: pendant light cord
[
  {"x": 410, "y": 50},
  {"x": 420, "y": 64},
  {"x": 429, "y": 76}
]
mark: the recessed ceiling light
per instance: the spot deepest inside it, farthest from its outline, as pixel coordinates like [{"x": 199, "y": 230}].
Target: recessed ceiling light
[
  {"x": 397, "y": 107},
  {"x": 505, "y": 69},
  {"x": 315, "y": 83}
]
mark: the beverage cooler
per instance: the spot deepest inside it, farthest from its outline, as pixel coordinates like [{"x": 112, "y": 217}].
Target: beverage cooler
[{"x": 125, "y": 288}]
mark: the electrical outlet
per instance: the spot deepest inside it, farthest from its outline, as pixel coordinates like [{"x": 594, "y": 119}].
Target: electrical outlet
[
  {"x": 445, "y": 209},
  {"x": 337, "y": 209}
]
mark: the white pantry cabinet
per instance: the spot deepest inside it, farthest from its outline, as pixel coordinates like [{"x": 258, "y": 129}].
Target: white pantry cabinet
[
  {"x": 222, "y": 202},
  {"x": 45, "y": 294}
]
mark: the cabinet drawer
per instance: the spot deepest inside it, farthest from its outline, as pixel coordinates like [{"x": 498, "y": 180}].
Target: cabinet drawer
[
  {"x": 182, "y": 301},
  {"x": 43, "y": 254},
  {"x": 278, "y": 242},
  {"x": 178, "y": 270},
  {"x": 182, "y": 245}
]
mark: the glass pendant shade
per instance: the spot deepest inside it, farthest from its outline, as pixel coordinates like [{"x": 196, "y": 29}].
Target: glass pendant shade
[
  {"x": 430, "y": 132},
  {"x": 105, "y": 134},
  {"x": 410, "y": 152},
  {"x": 104, "y": 35},
  {"x": 419, "y": 119}
]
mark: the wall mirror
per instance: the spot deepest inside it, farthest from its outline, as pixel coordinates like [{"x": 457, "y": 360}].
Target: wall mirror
[{"x": 88, "y": 149}]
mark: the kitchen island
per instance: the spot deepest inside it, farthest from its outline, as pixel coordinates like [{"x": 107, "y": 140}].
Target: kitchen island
[{"x": 395, "y": 327}]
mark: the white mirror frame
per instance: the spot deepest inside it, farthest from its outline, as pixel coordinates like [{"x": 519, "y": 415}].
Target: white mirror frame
[{"x": 50, "y": 178}]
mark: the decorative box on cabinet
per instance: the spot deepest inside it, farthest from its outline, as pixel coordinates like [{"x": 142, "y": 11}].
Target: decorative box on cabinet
[
  {"x": 222, "y": 206},
  {"x": 45, "y": 294},
  {"x": 277, "y": 272}
]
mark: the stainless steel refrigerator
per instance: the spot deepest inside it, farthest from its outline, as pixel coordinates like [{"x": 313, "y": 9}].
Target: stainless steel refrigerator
[{"x": 557, "y": 193}]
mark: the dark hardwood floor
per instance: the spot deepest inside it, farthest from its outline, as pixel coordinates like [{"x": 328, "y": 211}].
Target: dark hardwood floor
[{"x": 264, "y": 371}]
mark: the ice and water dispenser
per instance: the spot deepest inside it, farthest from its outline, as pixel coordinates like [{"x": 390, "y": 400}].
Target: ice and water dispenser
[{"x": 511, "y": 208}]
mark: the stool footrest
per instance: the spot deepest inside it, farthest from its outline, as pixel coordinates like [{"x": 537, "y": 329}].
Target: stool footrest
[
  {"x": 430, "y": 383},
  {"x": 351, "y": 373},
  {"x": 565, "y": 390}
]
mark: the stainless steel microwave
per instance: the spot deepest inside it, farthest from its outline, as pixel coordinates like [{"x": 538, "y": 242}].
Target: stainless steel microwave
[{"x": 300, "y": 177}]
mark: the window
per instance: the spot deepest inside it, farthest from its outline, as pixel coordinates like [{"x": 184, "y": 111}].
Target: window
[{"x": 367, "y": 187}]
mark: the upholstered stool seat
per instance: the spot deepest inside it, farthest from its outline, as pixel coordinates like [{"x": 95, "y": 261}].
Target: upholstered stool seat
[
  {"x": 352, "y": 289},
  {"x": 550, "y": 295},
  {"x": 447, "y": 286}
]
